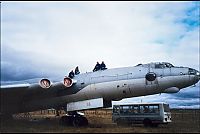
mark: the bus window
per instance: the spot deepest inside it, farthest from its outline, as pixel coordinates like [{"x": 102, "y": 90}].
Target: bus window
[
  {"x": 156, "y": 107},
  {"x": 141, "y": 109},
  {"x": 146, "y": 109},
  {"x": 137, "y": 108},
  {"x": 166, "y": 107},
  {"x": 116, "y": 109},
  {"x": 131, "y": 109},
  {"x": 153, "y": 109},
  {"x": 121, "y": 109},
  {"x": 126, "y": 109}
]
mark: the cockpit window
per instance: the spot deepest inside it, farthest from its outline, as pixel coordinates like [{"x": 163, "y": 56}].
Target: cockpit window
[
  {"x": 159, "y": 65},
  {"x": 156, "y": 65},
  {"x": 138, "y": 65},
  {"x": 169, "y": 65}
]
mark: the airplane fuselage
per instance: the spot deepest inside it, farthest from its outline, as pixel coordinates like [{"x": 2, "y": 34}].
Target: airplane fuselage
[
  {"x": 119, "y": 83},
  {"x": 109, "y": 84}
]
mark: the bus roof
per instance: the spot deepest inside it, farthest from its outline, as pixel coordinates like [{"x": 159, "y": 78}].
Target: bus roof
[{"x": 145, "y": 103}]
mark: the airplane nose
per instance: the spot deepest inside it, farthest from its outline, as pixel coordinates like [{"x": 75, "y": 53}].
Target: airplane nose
[
  {"x": 192, "y": 71},
  {"x": 198, "y": 74}
]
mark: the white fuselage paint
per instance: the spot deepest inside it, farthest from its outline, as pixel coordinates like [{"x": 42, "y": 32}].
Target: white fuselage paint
[
  {"x": 114, "y": 84},
  {"x": 128, "y": 88}
]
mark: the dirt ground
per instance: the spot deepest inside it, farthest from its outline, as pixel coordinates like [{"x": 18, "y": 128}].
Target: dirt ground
[{"x": 100, "y": 121}]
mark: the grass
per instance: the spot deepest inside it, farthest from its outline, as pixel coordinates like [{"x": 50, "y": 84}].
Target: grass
[{"x": 100, "y": 121}]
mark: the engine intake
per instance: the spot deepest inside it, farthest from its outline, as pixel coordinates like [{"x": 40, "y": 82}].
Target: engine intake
[
  {"x": 45, "y": 83},
  {"x": 67, "y": 82}
]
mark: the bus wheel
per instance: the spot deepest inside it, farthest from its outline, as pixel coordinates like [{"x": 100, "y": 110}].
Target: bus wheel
[
  {"x": 154, "y": 124},
  {"x": 121, "y": 122},
  {"x": 147, "y": 122}
]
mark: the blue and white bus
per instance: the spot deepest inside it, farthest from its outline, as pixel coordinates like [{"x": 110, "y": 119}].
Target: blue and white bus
[{"x": 150, "y": 114}]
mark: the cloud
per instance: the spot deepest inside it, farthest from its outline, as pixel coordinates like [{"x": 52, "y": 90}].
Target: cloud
[{"x": 99, "y": 31}]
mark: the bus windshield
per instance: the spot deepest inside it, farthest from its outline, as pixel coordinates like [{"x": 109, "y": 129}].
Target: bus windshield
[{"x": 166, "y": 107}]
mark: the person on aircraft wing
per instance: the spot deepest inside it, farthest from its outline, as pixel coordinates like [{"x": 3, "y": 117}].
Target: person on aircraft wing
[
  {"x": 97, "y": 67},
  {"x": 103, "y": 66},
  {"x": 77, "y": 71},
  {"x": 71, "y": 74}
]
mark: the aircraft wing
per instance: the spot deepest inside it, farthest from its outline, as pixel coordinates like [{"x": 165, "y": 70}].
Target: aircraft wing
[{"x": 13, "y": 96}]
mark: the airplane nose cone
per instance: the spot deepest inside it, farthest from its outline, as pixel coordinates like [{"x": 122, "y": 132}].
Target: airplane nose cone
[
  {"x": 198, "y": 74},
  {"x": 195, "y": 73}
]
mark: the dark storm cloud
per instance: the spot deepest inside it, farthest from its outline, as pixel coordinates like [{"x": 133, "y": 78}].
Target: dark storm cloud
[
  {"x": 186, "y": 98},
  {"x": 17, "y": 66},
  {"x": 188, "y": 93},
  {"x": 13, "y": 72}
]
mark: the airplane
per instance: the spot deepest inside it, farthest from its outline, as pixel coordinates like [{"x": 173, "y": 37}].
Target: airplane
[{"x": 92, "y": 90}]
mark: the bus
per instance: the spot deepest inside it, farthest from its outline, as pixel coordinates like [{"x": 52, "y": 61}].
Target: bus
[{"x": 149, "y": 114}]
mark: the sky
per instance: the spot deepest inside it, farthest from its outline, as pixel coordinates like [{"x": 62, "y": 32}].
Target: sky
[{"x": 49, "y": 39}]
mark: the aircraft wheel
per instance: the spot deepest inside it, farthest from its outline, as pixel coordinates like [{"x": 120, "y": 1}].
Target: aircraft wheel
[
  {"x": 77, "y": 121},
  {"x": 84, "y": 121},
  {"x": 4, "y": 117},
  {"x": 80, "y": 121},
  {"x": 66, "y": 120}
]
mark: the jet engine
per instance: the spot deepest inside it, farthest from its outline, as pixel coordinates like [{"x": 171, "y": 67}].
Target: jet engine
[
  {"x": 67, "y": 82},
  {"x": 171, "y": 90},
  {"x": 45, "y": 83}
]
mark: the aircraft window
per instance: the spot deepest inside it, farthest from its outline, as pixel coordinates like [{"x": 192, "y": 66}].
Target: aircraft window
[
  {"x": 169, "y": 65},
  {"x": 138, "y": 65},
  {"x": 159, "y": 65}
]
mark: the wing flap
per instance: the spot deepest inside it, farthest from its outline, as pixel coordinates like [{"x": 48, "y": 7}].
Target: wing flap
[{"x": 15, "y": 86}]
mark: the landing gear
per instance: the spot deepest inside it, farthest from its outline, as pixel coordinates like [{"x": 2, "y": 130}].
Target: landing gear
[
  {"x": 74, "y": 119},
  {"x": 5, "y": 117},
  {"x": 80, "y": 121}
]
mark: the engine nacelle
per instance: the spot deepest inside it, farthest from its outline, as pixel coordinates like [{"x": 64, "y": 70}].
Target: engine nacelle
[
  {"x": 45, "y": 83},
  {"x": 171, "y": 90},
  {"x": 67, "y": 82}
]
